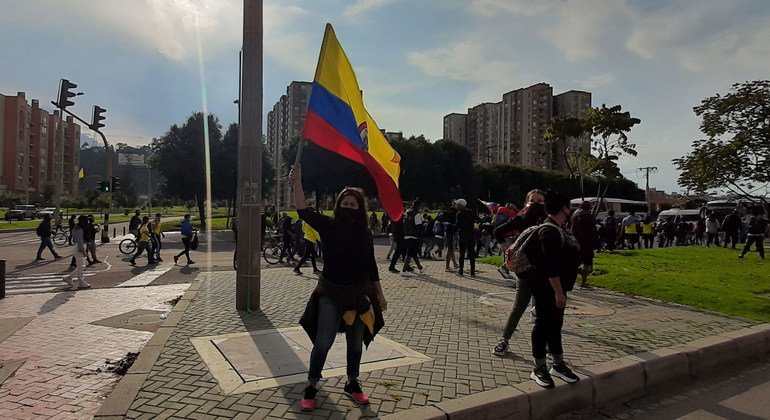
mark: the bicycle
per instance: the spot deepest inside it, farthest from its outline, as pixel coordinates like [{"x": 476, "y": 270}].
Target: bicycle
[
  {"x": 272, "y": 249},
  {"x": 61, "y": 238},
  {"x": 128, "y": 245}
]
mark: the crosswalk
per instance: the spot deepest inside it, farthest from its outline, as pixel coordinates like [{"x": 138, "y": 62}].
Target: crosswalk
[
  {"x": 18, "y": 238},
  {"x": 38, "y": 283}
]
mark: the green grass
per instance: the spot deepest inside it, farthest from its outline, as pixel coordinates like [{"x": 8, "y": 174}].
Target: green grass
[
  {"x": 217, "y": 223},
  {"x": 707, "y": 278}
]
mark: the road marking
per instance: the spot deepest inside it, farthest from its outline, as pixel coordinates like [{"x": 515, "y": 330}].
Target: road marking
[
  {"x": 146, "y": 278},
  {"x": 44, "y": 282}
]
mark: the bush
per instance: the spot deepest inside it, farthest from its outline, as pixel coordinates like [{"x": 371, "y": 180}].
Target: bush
[{"x": 10, "y": 198}]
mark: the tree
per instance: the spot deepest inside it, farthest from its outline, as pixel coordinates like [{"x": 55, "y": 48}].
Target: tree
[
  {"x": 735, "y": 155},
  {"x": 179, "y": 156},
  {"x": 225, "y": 167}
]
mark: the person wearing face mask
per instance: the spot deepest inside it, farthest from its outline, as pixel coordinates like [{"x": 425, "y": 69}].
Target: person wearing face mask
[
  {"x": 348, "y": 297},
  {"x": 556, "y": 257},
  {"x": 508, "y": 230}
]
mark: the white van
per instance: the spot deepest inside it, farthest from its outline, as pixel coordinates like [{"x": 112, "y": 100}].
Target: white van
[{"x": 687, "y": 215}]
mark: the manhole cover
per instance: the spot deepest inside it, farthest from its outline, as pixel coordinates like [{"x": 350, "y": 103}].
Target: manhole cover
[
  {"x": 144, "y": 319},
  {"x": 140, "y": 320},
  {"x": 576, "y": 306}
]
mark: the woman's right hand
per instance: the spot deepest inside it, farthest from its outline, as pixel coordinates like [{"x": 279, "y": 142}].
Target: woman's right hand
[{"x": 561, "y": 300}]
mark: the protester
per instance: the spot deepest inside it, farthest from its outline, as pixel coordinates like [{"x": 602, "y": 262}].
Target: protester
[
  {"x": 450, "y": 233},
  {"x": 78, "y": 255},
  {"x": 72, "y": 223},
  {"x": 311, "y": 238},
  {"x": 143, "y": 243},
  {"x": 134, "y": 223},
  {"x": 505, "y": 232},
  {"x": 157, "y": 236},
  {"x": 670, "y": 229},
  {"x": 732, "y": 228},
  {"x": 373, "y": 222},
  {"x": 285, "y": 230},
  {"x": 385, "y": 222},
  {"x": 90, "y": 238},
  {"x": 630, "y": 229},
  {"x": 44, "y": 232},
  {"x": 465, "y": 231},
  {"x": 611, "y": 230},
  {"x": 438, "y": 236},
  {"x": 58, "y": 222},
  {"x": 755, "y": 234},
  {"x": 348, "y": 297},
  {"x": 648, "y": 233},
  {"x": 712, "y": 230},
  {"x": 698, "y": 231},
  {"x": 412, "y": 231},
  {"x": 583, "y": 226},
  {"x": 532, "y": 214},
  {"x": 556, "y": 259},
  {"x": 397, "y": 230},
  {"x": 187, "y": 237},
  {"x": 427, "y": 236}
]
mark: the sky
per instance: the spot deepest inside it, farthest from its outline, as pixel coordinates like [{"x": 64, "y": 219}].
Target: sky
[{"x": 148, "y": 62}]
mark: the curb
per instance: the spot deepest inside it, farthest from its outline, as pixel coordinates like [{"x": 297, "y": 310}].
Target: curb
[
  {"x": 123, "y": 395},
  {"x": 619, "y": 379}
]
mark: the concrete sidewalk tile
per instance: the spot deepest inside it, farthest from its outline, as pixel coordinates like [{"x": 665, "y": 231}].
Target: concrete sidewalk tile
[
  {"x": 711, "y": 352},
  {"x": 427, "y": 412},
  {"x": 500, "y": 402},
  {"x": 619, "y": 378},
  {"x": 751, "y": 343}
]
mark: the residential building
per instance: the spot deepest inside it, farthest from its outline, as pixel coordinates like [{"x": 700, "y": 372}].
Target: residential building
[
  {"x": 38, "y": 149},
  {"x": 512, "y": 131},
  {"x": 573, "y": 103}
]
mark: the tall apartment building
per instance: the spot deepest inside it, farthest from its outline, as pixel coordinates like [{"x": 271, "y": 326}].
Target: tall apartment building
[
  {"x": 573, "y": 103},
  {"x": 284, "y": 124},
  {"x": 38, "y": 148},
  {"x": 512, "y": 131}
]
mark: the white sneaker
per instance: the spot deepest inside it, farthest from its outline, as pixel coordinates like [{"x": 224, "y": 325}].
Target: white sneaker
[
  {"x": 407, "y": 274},
  {"x": 71, "y": 283},
  {"x": 504, "y": 272}
]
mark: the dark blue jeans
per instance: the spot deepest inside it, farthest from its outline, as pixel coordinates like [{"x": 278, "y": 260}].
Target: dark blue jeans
[{"x": 329, "y": 318}]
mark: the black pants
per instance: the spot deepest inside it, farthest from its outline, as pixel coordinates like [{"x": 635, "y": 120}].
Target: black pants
[
  {"x": 611, "y": 240},
  {"x": 712, "y": 238},
  {"x": 309, "y": 253},
  {"x": 754, "y": 240},
  {"x": 467, "y": 247},
  {"x": 732, "y": 236},
  {"x": 157, "y": 246},
  {"x": 413, "y": 246},
  {"x": 45, "y": 242},
  {"x": 186, "y": 242},
  {"x": 546, "y": 334},
  {"x": 287, "y": 249},
  {"x": 399, "y": 253},
  {"x": 649, "y": 240}
]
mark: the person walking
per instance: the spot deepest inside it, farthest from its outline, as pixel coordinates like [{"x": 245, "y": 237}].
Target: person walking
[
  {"x": 156, "y": 234},
  {"x": 450, "y": 233},
  {"x": 438, "y": 236},
  {"x": 611, "y": 230},
  {"x": 79, "y": 256},
  {"x": 556, "y": 257},
  {"x": 669, "y": 231},
  {"x": 311, "y": 237},
  {"x": 732, "y": 228},
  {"x": 134, "y": 223},
  {"x": 648, "y": 233},
  {"x": 91, "y": 230},
  {"x": 348, "y": 297},
  {"x": 532, "y": 214},
  {"x": 397, "y": 230},
  {"x": 72, "y": 223},
  {"x": 508, "y": 230},
  {"x": 755, "y": 234},
  {"x": 427, "y": 237},
  {"x": 583, "y": 226},
  {"x": 44, "y": 232},
  {"x": 412, "y": 231},
  {"x": 712, "y": 230},
  {"x": 144, "y": 242},
  {"x": 187, "y": 237},
  {"x": 465, "y": 235},
  {"x": 630, "y": 229},
  {"x": 285, "y": 229}
]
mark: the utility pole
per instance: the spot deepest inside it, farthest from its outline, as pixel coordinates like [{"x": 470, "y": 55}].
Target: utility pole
[
  {"x": 648, "y": 170},
  {"x": 249, "y": 193}
]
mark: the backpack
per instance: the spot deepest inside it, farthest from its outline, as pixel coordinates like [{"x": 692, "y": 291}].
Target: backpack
[
  {"x": 438, "y": 229},
  {"x": 516, "y": 259},
  {"x": 39, "y": 230},
  {"x": 194, "y": 243}
]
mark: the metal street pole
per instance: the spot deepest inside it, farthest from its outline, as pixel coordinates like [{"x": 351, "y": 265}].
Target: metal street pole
[{"x": 247, "y": 284}]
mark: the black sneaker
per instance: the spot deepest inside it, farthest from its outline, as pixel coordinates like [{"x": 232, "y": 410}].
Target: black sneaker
[
  {"x": 541, "y": 376},
  {"x": 297, "y": 271},
  {"x": 501, "y": 348},
  {"x": 563, "y": 372},
  {"x": 393, "y": 270},
  {"x": 308, "y": 398},
  {"x": 354, "y": 391}
]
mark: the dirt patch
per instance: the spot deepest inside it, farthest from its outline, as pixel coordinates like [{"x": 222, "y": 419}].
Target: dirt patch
[
  {"x": 175, "y": 300},
  {"x": 121, "y": 366}
]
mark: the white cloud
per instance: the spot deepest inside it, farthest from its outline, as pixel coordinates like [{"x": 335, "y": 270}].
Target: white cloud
[
  {"x": 361, "y": 7},
  {"x": 464, "y": 61},
  {"x": 596, "y": 81}
]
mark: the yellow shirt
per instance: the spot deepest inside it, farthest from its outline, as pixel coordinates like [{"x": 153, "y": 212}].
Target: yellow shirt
[
  {"x": 310, "y": 233},
  {"x": 156, "y": 227},
  {"x": 144, "y": 234},
  {"x": 647, "y": 229}
]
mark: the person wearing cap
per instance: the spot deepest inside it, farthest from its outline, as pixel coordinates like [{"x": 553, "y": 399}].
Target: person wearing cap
[
  {"x": 412, "y": 233},
  {"x": 78, "y": 255},
  {"x": 556, "y": 257},
  {"x": 583, "y": 226},
  {"x": 465, "y": 235}
]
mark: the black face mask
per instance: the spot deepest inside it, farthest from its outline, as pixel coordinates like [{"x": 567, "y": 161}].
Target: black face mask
[{"x": 347, "y": 215}]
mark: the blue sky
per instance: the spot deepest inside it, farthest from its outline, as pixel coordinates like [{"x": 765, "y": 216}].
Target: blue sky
[{"x": 416, "y": 60}]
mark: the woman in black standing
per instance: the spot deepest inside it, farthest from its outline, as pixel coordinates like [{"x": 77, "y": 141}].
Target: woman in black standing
[{"x": 348, "y": 297}]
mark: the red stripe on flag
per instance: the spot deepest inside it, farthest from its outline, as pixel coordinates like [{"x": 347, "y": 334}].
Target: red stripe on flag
[{"x": 324, "y": 135}]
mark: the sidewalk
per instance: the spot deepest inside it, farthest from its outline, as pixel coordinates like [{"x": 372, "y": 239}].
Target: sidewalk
[{"x": 451, "y": 322}]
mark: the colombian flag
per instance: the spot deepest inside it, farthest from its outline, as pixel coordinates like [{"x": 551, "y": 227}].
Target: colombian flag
[{"x": 337, "y": 121}]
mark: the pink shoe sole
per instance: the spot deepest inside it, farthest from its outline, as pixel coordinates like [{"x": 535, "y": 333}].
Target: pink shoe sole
[
  {"x": 360, "y": 398},
  {"x": 307, "y": 405}
]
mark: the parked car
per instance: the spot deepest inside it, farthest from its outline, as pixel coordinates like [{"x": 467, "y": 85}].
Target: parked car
[
  {"x": 51, "y": 211},
  {"x": 21, "y": 212}
]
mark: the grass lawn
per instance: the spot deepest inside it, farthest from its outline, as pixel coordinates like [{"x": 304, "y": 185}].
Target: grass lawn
[
  {"x": 707, "y": 278},
  {"x": 217, "y": 223}
]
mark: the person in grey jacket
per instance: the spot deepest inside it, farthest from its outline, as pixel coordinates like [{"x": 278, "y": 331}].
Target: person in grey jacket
[{"x": 78, "y": 255}]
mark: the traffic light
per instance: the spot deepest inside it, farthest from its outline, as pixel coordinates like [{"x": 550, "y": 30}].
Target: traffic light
[
  {"x": 104, "y": 186},
  {"x": 65, "y": 93},
  {"x": 97, "y": 118},
  {"x": 115, "y": 183}
]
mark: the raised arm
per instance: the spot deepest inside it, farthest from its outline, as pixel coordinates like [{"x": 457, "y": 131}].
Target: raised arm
[{"x": 296, "y": 178}]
